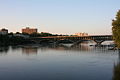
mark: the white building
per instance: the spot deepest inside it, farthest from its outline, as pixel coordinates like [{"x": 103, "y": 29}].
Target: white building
[{"x": 81, "y": 34}]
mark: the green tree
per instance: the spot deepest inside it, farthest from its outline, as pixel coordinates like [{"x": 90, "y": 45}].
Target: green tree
[
  {"x": 18, "y": 33},
  {"x": 116, "y": 29},
  {"x": 45, "y": 34}
]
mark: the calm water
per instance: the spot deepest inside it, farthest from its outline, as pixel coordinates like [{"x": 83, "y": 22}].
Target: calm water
[{"x": 57, "y": 63}]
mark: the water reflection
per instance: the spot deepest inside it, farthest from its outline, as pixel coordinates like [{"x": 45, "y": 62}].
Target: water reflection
[
  {"x": 29, "y": 50},
  {"x": 33, "y": 49},
  {"x": 116, "y": 71},
  {"x": 80, "y": 62},
  {"x": 74, "y": 48},
  {"x": 83, "y": 47},
  {"x": 4, "y": 50}
]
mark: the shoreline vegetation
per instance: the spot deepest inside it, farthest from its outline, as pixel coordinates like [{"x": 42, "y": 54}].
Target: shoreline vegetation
[
  {"x": 6, "y": 40},
  {"x": 21, "y": 38}
]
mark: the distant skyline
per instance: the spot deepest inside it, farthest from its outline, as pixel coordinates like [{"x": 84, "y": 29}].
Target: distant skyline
[{"x": 59, "y": 16}]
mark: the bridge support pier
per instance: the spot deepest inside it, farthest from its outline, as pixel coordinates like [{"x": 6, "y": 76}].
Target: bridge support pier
[{"x": 99, "y": 42}]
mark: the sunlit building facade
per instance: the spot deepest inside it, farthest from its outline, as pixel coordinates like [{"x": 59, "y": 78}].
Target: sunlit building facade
[
  {"x": 29, "y": 30},
  {"x": 81, "y": 34}
]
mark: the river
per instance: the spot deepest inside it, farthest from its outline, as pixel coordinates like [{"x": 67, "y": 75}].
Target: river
[{"x": 80, "y": 62}]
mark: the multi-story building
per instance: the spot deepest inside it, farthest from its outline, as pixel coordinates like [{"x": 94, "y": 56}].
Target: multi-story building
[
  {"x": 81, "y": 34},
  {"x": 3, "y": 31},
  {"x": 29, "y": 30}
]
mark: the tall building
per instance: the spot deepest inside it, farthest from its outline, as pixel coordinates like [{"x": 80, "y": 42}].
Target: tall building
[
  {"x": 29, "y": 30},
  {"x": 81, "y": 34},
  {"x": 3, "y": 31}
]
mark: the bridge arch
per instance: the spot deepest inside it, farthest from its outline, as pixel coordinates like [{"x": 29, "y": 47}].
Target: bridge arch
[{"x": 82, "y": 41}]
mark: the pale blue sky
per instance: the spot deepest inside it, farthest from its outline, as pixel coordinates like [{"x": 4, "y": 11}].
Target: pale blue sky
[{"x": 59, "y": 16}]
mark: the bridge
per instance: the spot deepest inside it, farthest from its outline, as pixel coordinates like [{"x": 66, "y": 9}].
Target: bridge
[{"x": 74, "y": 39}]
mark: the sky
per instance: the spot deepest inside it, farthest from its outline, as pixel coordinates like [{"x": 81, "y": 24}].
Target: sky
[{"x": 59, "y": 16}]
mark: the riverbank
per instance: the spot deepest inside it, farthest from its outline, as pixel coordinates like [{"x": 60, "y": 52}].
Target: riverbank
[{"x": 6, "y": 40}]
